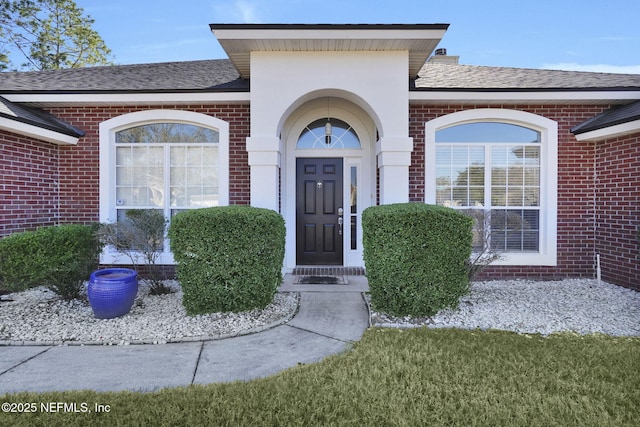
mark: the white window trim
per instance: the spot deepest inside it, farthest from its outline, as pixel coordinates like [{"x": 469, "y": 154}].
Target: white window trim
[
  {"x": 108, "y": 131},
  {"x": 547, "y": 256}
]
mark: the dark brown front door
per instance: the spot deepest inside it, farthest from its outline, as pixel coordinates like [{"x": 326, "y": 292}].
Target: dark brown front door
[{"x": 319, "y": 211}]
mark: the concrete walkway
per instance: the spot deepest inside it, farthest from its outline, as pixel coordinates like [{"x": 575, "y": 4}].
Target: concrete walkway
[{"x": 329, "y": 320}]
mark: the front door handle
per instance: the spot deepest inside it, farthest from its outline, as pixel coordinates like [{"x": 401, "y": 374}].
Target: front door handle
[{"x": 340, "y": 221}]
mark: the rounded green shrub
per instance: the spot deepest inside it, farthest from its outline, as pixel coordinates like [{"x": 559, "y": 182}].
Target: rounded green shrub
[
  {"x": 228, "y": 258},
  {"x": 415, "y": 256},
  {"x": 59, "y": 257}
]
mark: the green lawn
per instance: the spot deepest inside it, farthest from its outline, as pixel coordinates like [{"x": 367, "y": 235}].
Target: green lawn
[{"x": 421, "y": 377}]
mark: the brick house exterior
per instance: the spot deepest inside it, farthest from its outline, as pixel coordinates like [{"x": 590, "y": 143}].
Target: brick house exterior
[
  {"x": 617, "y": 194},
  {"x": 55, "y": 127}
]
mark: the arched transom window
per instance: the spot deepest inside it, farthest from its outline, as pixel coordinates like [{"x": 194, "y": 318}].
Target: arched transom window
[{"x": 328, "y": 134}]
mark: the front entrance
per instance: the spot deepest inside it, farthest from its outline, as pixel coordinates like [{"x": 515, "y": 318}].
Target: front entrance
[{"x": 319, "y": 211}]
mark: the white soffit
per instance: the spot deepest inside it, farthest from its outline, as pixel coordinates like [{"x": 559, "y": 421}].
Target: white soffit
[
  {"x": 239, "y": 40},
  {"x": 37, "y": 132}
]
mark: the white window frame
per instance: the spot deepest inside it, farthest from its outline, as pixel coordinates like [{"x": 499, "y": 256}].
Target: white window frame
[
  {"x": 547, "y": 254},
  {"x": 108, "y": 131}
]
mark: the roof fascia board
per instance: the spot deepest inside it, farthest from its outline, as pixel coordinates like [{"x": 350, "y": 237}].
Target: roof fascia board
[
  {"x": 240, "y": 40},
  {"x": 610, "y": 132},
  {"x": 487, "y": 95},
  {"x": 327, "y": 34},
  {"x": 245, "y": 97},
  {"x": 324, "y": 26},
  {"x": 129, "y": 98},
  {"x": 37, "y": 132}
]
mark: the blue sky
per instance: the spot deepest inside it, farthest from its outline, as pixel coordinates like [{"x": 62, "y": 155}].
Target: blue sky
[{"x": 584, "y": 35}]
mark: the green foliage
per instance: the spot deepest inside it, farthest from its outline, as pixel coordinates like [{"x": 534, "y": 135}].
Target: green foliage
[
  {"x": 416, "y": 257},
  {"x": 4, "y": 54},
  {"x": 228, "y": 258},
  {"x": 60, "y": 257},
  {"x": 140, "y": 235},
  {"x": 50, "y": 34},
  {"x": 420, "y": 377}
]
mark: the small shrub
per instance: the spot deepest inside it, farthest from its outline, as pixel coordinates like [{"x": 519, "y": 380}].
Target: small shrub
[
  {"x": 60, "y": 258},
  {"x": 416, "y": 257},
  {"x": 140, "y": 235},
  {"x": 483, "y": 254},
  {"x": 17, "y": 253},
  {"x": 228, "y": 258}
]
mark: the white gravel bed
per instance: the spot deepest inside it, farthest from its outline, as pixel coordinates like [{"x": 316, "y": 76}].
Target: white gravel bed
[
  {"x": 39, "y": 316},
  {"x": 581, "y": 306}
]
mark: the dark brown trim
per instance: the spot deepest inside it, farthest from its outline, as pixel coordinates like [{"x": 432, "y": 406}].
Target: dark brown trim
[{"x": 328, "y": 26}]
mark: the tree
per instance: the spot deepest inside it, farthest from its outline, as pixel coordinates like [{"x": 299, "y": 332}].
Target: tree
[
  {"x": 4, "y": 57},
  {"x": 49, "y": 34}
]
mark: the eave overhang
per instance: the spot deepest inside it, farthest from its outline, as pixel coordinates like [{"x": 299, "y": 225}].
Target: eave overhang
[
  {"x": 523, "y": 96},
  {"x": 616, "y": 122},
  {"x": 614, "y": 131},
  {"x": 239, "y": 40},
  {"x": 60, "y": 99},
  {"x": 37, "y": 132},
  {"x": 36, "y": 123}
]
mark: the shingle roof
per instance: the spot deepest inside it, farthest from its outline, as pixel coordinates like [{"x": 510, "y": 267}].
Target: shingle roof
[
  {"x": 615, "y": 116},
  {"x": 36, "y": 117},
  {"x": 220, "y": 75},
  {"x": 210, "y": 75},
  {"x": 443, "y": 77}
]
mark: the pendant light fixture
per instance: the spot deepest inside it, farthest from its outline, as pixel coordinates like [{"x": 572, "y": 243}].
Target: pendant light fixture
[{"x": 327, "y": 127}]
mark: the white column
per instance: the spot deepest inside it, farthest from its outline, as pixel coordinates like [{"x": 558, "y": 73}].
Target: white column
[
  {"x": 264, "y": 161},
  {"x": 394, "y": 159}
]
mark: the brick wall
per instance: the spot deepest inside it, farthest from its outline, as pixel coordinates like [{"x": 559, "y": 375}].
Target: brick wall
[
  {"x": 28, "y": 183},
  {"x": 80, "y": 168},
  {"x": 576, "y": 190},
  {"x": 44, "y": 184},
  {"x": 618, "y": 210}
]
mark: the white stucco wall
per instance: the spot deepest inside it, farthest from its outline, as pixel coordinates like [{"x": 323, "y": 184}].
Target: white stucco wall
[
  {"x": 280, "y": 79},
  {"x": 374, "y": 81}
]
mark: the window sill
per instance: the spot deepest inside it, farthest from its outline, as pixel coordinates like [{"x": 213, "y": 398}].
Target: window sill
[{"x": 527, "y": 259}]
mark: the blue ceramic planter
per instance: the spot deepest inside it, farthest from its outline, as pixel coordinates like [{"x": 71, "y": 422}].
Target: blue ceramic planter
[{"x": 112, "y": 291}]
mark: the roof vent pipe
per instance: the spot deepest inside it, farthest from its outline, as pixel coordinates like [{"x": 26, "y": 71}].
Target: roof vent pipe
[{"x": 440, "y": 56}]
